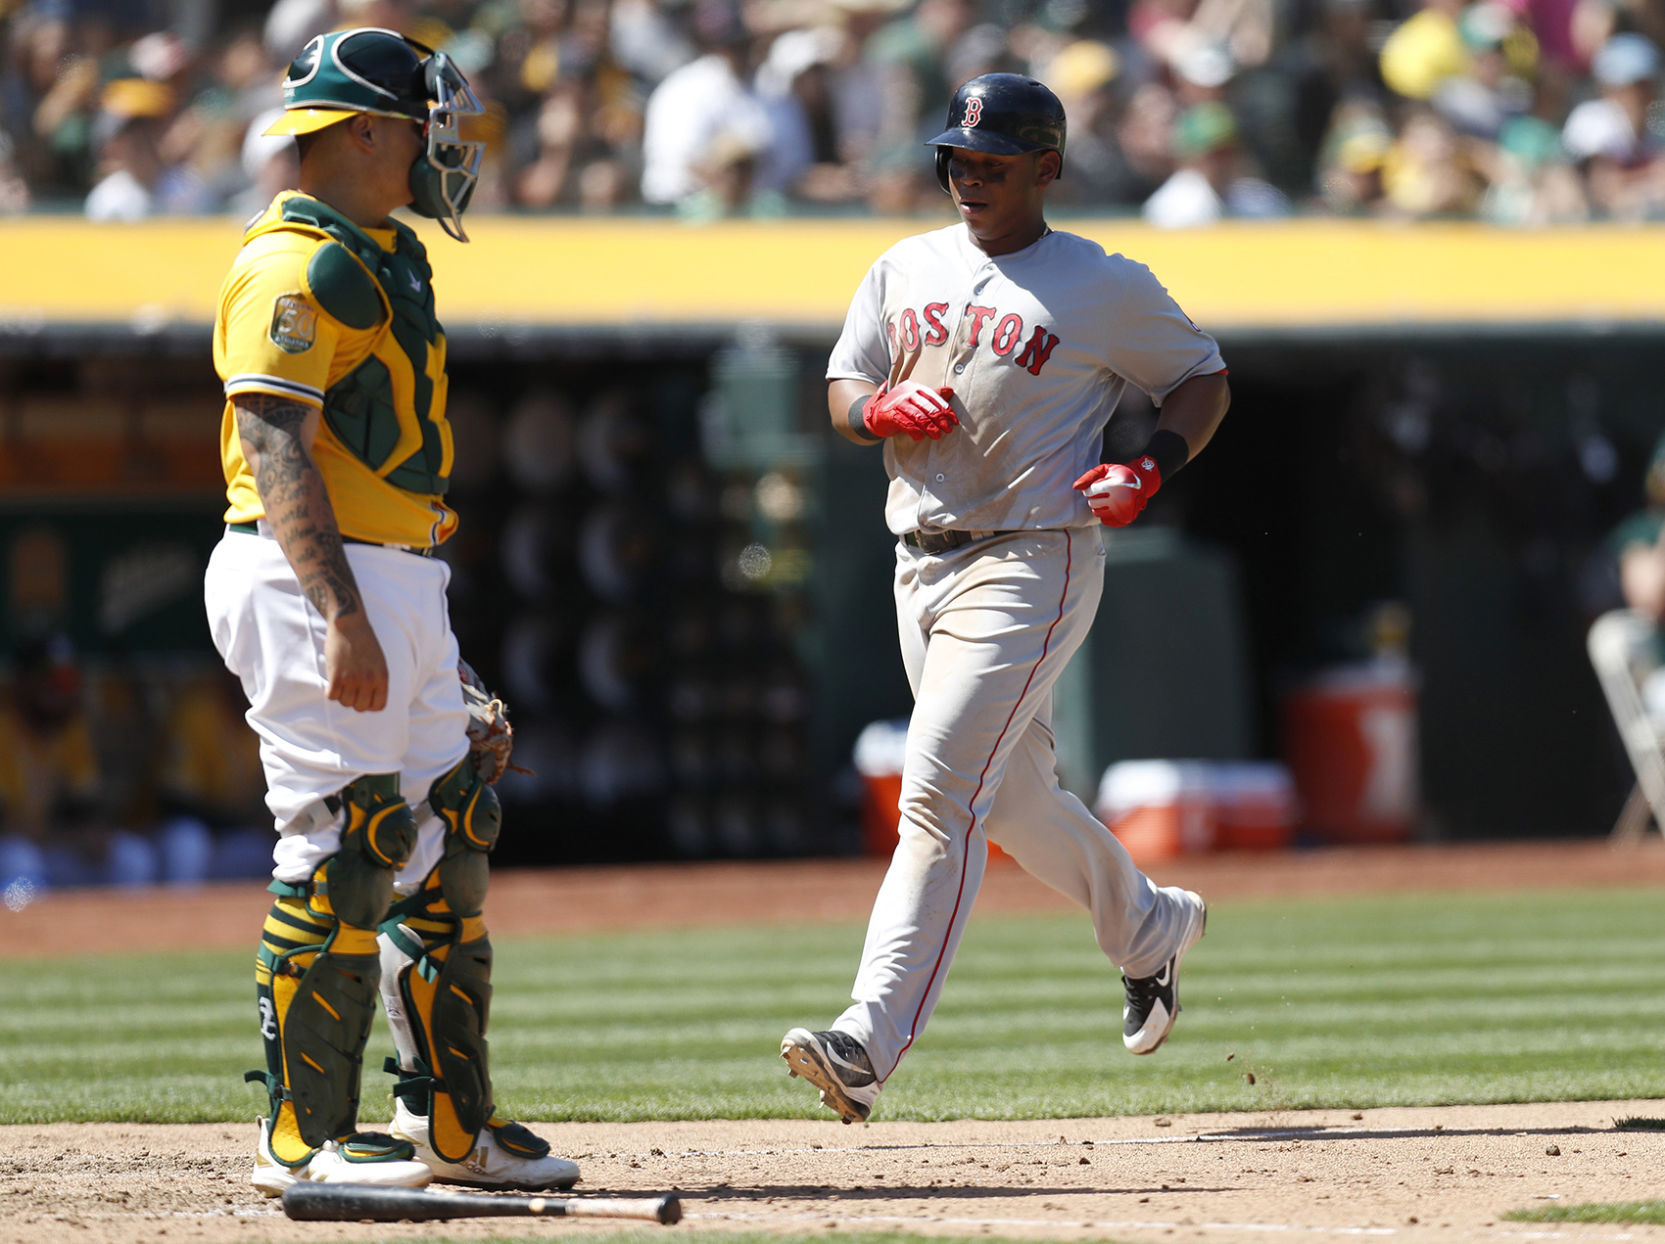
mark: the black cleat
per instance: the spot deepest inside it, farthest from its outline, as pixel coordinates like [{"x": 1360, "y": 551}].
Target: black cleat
[
  {"x": 835, "y": 1063},
  {"x": 1153, "y": 1001}
]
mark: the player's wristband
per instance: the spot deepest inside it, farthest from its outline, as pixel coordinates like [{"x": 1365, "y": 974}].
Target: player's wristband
[
  {"x": 858, "y": 424},
  {"x": 1168, "y": 450}
]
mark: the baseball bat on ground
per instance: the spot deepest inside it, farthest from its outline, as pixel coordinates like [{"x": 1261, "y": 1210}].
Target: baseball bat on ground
[{"x": 356, "y": 1202}]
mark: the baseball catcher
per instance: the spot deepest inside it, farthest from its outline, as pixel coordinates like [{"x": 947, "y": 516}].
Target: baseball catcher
[{"x": 325, "y": 598}]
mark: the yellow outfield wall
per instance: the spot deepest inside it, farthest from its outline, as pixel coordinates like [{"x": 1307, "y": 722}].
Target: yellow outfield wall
[{"x": 1306, "y": 274}]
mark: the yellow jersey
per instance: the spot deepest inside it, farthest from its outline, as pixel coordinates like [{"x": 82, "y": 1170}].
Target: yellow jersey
[{"x": 325, "y": 313}]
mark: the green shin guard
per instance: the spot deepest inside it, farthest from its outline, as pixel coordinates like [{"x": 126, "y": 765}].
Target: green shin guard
[
  {"x": 446, "y": 999},
  {"x": 446, "y": 992},
  {"x": 317, "y": 999},
  {"x": 317, "y": 971},
  {"x": 324, "y": 1043}
]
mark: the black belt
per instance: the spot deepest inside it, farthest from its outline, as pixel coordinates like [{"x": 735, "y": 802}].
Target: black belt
[
  {"x": 942, "y": 541},
  {"x": 253, "y": 529}
]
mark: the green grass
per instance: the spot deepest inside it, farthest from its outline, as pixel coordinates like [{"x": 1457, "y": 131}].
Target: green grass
[
  {"x": 1413, "y": 1000},
  {"x": 1627, "y": 1212}
]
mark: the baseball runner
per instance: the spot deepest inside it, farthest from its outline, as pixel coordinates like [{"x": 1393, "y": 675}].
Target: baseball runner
[
  {"x": 987, "y": 358},
  {"x": 326, "y": 600}
]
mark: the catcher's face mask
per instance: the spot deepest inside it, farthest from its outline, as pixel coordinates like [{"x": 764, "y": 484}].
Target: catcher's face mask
[
  {"x": 442, "y": 179},
  {"x": 369, "y": 69}
]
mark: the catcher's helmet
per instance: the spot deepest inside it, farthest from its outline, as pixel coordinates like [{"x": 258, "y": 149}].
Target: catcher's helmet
[
  {"x": 1003, "y": 114},
  {"x": 368, "y": 69}
]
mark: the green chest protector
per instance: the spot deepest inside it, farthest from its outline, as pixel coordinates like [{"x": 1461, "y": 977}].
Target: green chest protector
[{"x": 361, "y": 285}]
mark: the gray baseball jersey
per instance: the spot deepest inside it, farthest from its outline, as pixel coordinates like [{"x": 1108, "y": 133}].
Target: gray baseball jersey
[{"x": 1037, "y": 346}]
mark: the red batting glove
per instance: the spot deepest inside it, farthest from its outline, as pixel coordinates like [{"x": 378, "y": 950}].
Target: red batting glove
[
  {"x": 1118, "y": 491},
  {"x": 910, "y": 409}
]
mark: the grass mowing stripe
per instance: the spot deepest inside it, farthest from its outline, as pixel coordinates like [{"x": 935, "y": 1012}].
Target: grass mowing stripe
[
  {"x": 1627, "y": 1212},
  {"x": 1385, "y": 1001}
]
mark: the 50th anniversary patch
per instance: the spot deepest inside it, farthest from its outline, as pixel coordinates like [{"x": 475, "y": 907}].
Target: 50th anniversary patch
[{"x": 294, "y": 324}]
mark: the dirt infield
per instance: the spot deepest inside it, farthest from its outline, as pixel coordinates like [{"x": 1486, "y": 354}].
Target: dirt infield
[
  {"x": 1424, "y": 1174},
  {"x": 1420, "y": 1174}
]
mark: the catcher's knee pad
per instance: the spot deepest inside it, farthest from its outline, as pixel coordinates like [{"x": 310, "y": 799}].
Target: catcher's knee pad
[
  {"x": 473, "y": 819},
  {"x": 315, "y": 978},
  {"x": 378, "y": 834},
  {"x": 446, "y": 999}
]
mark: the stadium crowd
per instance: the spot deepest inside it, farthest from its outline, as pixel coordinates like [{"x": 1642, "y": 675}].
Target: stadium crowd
[{"x": 1522, "y": 112}]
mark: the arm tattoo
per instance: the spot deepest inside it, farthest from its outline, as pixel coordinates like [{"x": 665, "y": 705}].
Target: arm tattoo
[{"x": 297, "y": 506}]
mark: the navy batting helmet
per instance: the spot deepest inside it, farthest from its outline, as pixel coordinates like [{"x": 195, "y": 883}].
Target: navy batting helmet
[{"x": 1003, "y": 114}]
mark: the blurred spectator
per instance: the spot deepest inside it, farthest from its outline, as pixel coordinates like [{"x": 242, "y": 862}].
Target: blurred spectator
[
  {"x": 1083, "y": 76},
  {"x": 727, "y": 172},
  {"x": 547, "y": 178},
  {"x": 1352, "y": 159},
  {"x": 700, "y": 103},
  {"x": 242, "y": 80},
  {"x": 858, "y": 81},
  {"x": 135, "y": 180},
  {"x": 1533, "y": 183},
  {"x": 55, "y": 828},
  {"x": 1427, "y": 172},
  {"x": 1204, "y": 39},
  {"x": 1318, "y": 77},
  {"x": 795, "y": 83},
  {"x": 1214, "y": 179},
  {"x": 1494, "y": 85},
  {"x": 1424, "y": 50},
  {"x": 50, "y": 98},
  {"x": 1121, "y": 127},
  {"x": 1609, "y": 138}
]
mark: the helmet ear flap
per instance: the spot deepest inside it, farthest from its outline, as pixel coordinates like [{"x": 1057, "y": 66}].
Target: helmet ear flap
[{"x": 943, "y": 156}]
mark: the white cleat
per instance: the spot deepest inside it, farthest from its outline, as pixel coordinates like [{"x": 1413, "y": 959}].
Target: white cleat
[
  {"x": 362, "y": 1158},
  {"x": 506, "y": 1155}
]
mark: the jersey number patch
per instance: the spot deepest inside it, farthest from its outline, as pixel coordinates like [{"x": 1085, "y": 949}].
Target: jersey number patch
[{"x": 294, "y": 324}]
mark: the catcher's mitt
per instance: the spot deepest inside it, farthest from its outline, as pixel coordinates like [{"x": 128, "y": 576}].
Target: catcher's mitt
[{"x": 491, "y": 739}]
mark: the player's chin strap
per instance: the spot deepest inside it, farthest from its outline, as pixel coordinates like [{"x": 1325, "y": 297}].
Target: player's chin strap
[
  {"x": 436, "y": 972},
  {"x": 443, "y": 177}
]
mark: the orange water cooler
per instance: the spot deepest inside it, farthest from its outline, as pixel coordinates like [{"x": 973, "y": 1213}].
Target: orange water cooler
[
  {"x": 1350, "y": 740},
  {"x": 1162, "y": 808}
]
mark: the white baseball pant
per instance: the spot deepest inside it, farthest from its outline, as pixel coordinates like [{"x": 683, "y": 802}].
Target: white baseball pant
[{"x": 272, "y": 638}]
